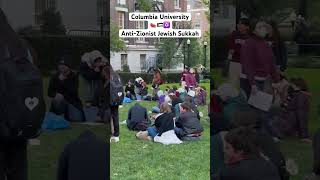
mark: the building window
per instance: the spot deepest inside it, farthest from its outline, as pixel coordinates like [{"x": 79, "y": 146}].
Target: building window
[
  {"x": 197, "y": 25},
  {"x": 140, "y": 25},
  {"x": 143, "y": 62},
  {"x": 121, "y": 20},
  {"x": 122, "y": 2},
  {"x": 176, "y": 4},
  {"x": 124, "y": 60}
]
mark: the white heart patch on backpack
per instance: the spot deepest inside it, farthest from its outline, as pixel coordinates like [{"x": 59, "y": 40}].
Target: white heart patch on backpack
[
  {"x": 119, "y": 94},
  {"x": 31, "y": 103}
]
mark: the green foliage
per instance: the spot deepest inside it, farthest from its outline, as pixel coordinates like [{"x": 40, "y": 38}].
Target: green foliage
[
  {"x": 125, "y": 68},
  {"x": 145, "y": 5},
  {"x": 167, "y": 49},
  {"x": 52, "y": 23},
  {"x": 196, "y": 52},
  {"x": 116, "y": 43}
]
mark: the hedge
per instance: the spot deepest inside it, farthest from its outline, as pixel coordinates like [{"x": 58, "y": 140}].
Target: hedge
[{"x": 50, "y": 48}]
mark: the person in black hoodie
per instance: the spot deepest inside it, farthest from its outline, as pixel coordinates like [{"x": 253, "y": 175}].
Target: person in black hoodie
[
  {"x": 84, "y": 158},
  {"x": 13, "y": 154},
  {"x": 137, "y": 118},
  {"x": 63, "y": 89},
  {"x": 163, "y": 122}
]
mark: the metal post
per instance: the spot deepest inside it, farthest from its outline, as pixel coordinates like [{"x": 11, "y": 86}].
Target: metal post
[
  {"x": 184, "y": 55},
  {"x": 101, "y": 26},
  {"x": 205, "y": 56},
  {"x": 189, "y": 55}
]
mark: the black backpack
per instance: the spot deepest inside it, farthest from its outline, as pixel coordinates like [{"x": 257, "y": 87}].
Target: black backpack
[
  {"x": 22, "y": 106},
  {"x": 116, "y": 90}
]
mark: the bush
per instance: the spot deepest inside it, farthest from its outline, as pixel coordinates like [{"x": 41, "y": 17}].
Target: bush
[
  {"x": 50, "y": 48},
  {"x": 167, "y": 77},
  {"x": 125, "y": 68}
]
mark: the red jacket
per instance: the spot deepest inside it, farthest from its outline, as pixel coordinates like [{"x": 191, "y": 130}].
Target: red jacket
[
  {"x": 257, "y": 60},
  {"x": 235, "y": 41}
]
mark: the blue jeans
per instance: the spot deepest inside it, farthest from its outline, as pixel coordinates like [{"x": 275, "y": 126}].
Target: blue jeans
[
  {"x": 152, "y": 131},
  {"x": 155, "y": 110},
  {"x": 179, "y": 132}
]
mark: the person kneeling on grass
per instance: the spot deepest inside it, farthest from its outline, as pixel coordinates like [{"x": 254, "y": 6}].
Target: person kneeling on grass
[
  {"x": 188, "y": 126},
  {"x": 160, "y": 131},
  {"x": 137, "y": 118}
]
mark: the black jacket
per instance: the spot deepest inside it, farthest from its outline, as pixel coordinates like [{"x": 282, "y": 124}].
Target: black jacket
[
  {"x": 164, "y": 123},
  {"x": 89, "y": 74},
  {"x": 251, "y": 169},
  {"x": 101, "y": 98},
  {"x": 84, "y": 158},
  {"x": 68, "y": 88},
  {"x": 175, "y": 101},
  {"x": 130, "y": 89},
  {"x": 189, "y": 122},
  {"x": 137, "y": 114}
]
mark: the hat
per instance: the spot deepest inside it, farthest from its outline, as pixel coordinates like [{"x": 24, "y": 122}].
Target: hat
[
  {"x": 95, "y": 55},
  {"x": 192, "y": 93},
  {"x": 85, "y": 57}
]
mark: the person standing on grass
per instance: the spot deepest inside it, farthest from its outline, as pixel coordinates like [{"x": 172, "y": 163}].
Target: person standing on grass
[
  {"x": 90, "y": 70},
  {"x": 257, "y": 62},
  {"x": 278, "y": 47},
  {"x": 235, "y": 42},
  {"x": 63, "y": 90}
]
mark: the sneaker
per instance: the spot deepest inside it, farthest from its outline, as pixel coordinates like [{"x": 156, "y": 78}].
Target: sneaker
[{"x": 114, "y": 139}]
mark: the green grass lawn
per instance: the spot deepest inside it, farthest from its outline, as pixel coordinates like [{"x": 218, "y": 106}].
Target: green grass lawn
[
  {"x": 293, "y": 148},
  {"x": 135, "y": 159},
  {"x": 42, "y": 159}
]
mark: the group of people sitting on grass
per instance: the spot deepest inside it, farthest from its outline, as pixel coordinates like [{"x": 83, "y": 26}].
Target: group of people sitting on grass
[
  {"x": 175, "y": 118},
  {"x": 257, "y": 108}
]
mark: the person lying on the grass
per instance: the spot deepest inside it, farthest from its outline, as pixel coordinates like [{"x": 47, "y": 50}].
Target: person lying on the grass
[
  {"x": 232, "y": 101},
  {"x": 129, "y": 90},
  {"x": 267, "y": 147},
  {"x": 63, "y": 90},
  {"x": 188, "y": 124},
  {"x": 243, "y": 159},
  {"x": 163, "y": 122},
  {"x": 138, "y": 119}
]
